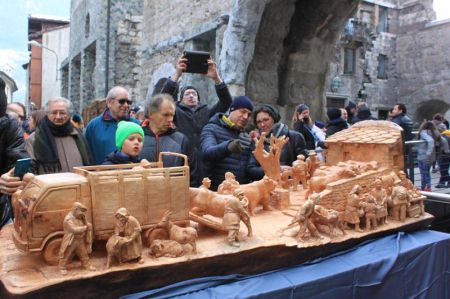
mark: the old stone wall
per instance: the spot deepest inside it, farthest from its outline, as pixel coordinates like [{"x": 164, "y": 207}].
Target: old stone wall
[{"x": 423, "y": 61}]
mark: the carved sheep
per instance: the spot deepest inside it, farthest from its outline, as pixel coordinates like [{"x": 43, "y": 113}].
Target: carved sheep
[
  {"x": 183, "y": 235},
  {"x": 168, "y": 248}
]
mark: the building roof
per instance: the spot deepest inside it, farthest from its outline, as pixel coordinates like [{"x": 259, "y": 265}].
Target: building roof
[
  {"x": 368, "y": 132},
  {"x": 9, "y": 80}
]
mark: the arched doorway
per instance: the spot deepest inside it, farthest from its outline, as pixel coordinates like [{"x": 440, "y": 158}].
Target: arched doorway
[{"x": 427, "y": 109}]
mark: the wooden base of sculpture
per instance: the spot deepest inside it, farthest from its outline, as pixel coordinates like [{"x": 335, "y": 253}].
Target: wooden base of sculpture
[{"x": 26, "y": 276}]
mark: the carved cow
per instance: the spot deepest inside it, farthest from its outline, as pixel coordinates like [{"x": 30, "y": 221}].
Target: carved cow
[
  {"x": 259, "y": 192},
  {"x": 207, "y": 202}
]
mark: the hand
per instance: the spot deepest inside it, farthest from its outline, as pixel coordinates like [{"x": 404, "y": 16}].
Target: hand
[
  {"x": 240, "y": 144},
  {"x": 180, "y": 68},
  {"x": 9, "y": 183},
  {"x": 212, "y": 72}
]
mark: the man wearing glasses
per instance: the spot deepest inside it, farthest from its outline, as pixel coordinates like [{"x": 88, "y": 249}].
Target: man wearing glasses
[
  {"x": 58, "y": 146},
  {"x": 101, "y": 131}
]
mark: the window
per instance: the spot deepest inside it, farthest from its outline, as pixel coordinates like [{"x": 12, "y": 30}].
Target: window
[
  {"x": 382, "y": 20},
  {"x": 87, "y": 25},
  {"x": 349, "y": 61},
  {"x": 382, "y": 66}
]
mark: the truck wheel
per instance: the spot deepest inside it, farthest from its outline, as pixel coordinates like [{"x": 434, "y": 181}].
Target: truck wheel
[
  {"x": 51, "y": 251},
  {"x": 155, "y": 234}
]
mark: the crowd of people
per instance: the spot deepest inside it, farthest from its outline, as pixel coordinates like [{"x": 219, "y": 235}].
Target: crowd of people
[{"x": 216, "y": 139}]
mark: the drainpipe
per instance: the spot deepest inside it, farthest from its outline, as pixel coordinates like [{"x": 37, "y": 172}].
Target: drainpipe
[{"x": 108, "y": 25}]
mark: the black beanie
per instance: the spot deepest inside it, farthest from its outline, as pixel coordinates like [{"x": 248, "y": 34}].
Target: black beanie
[
  {"x": 3, "y": 99},
  {"x": 334, "y": 113},
  {"x": 240, "y": 102},
  {"x": 301, "y": 108},
  {"x": 186, "y": 88},
  {"x": 350, "y": 105}
]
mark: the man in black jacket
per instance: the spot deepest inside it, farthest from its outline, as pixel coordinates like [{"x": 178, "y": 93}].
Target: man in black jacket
[
  {"x": 403, "y": 120},
  {"x": 162, "y": 136},
  {"x": 191, "y": 115},
  {"x": 12, "y": 148}
]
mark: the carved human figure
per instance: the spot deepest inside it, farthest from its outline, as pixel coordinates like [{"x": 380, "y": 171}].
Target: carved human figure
[
  {"x": 380, "y": 196},
  {"x": 302, "y": 218},
  {"x": 126, "y": 243},
  {"x": 228, "y": 185},
  {"x": 353, "y": 210},
  {"x": 77, "y": 239},
  {"x": 235, "y": 211},
  {"x": 300, "y": 172},
  {"x": 206, "y": 184},
  {"x": 400, "y": 201},
  {"x": 370, "y": 212},
  {"x": 284, "y": 181},
  {"x": 313, "y": 163}
]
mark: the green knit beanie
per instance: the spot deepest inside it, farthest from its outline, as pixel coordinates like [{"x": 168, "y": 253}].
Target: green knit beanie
[{"x": 125, "y": 129}]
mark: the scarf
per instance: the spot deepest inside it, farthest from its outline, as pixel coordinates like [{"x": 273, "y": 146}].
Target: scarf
[{"x": 44, "y": 146}]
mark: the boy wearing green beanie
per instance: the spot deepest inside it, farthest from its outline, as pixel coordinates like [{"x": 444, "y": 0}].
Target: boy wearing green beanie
[{"x": 129, "y": 141}]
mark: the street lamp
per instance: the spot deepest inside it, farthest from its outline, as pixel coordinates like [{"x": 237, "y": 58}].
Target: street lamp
[{"x": 38, "y": 44}]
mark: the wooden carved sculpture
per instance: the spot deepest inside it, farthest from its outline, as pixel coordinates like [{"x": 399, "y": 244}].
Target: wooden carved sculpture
[
  {"x": 303, "y": 219},
  {"x": 77, "y": 238},
  {"x": 370, "y": 212},
  {"x": 126, "y": 243},
  {"x": 400, "y": 200},
  {"x": 258, "y": 193},
  {"x": 168, "y": 248},
  {"x": 235, "y": 211},
  {"x": 380, "y": 196},
  {"x": 228, "y": 185},
  {"x": 183, "y": 235},
  {"x": 300, "y": 173},
  {"x": 270, "y": 161},
  {"x": 353, "y": 210},
  {"x": 327, "y": 217}
]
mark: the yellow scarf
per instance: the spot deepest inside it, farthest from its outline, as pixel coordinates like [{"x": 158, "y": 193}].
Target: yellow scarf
[{"x": 228, "y": 121}]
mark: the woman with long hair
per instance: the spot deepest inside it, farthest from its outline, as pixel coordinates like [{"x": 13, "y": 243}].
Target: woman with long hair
[{"x": 426, "y": 152}]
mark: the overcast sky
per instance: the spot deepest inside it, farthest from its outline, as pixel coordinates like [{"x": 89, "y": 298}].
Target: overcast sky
[{"x": 13, "y": 37}]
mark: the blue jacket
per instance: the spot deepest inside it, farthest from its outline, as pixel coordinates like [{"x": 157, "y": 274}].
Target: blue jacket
[
  {"x": 426, "y": 151},
  {"x": 100, "y": 135},
  {"x": 294, "y": 147},
  {"x": 170, "y": 141},
  {"x": 215, "y": 137}
]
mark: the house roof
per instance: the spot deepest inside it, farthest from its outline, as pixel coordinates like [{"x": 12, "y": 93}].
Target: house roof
[{"x": 368, "y": 132}]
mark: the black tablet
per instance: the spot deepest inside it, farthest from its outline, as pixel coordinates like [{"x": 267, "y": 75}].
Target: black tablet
[{"x": 197, "y": 61}]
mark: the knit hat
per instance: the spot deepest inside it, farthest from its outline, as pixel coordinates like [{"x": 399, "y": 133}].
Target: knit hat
[
  {"x": 334, "y": 113},
  {"x": 76, "y": 118},
  {"x": 272, "y": 111},
  {"x": 125, "y": 129},
  {"x": 350, "y": 105},
  {"x": 186, "y": 88},
  {"x": 241, "y": 102},
  {"x": 302, "y": 107}
]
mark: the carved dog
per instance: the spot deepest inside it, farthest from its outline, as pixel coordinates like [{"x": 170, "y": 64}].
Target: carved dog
[{"x": 168, "y": 248}]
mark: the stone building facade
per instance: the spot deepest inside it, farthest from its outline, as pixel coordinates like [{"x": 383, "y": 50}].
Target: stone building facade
[
  {"x": 392, "y": 51},
  {"x": 283, "y": 52}
]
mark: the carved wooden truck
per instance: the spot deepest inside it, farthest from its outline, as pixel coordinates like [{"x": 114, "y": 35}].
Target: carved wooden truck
[{"x": 146, "y": 192}]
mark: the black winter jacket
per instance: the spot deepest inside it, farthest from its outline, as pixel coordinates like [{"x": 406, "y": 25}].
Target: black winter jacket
[
  {"x": 190, "y": 121},
  {"x": 336, "y": 125},
  {"x": 363, "y": 114},
  {"x": 300, "y": 127},
  {"x": 294, "y": 147},
  {"x": 12, "y": 145},
  {"x": 406, "y": 123},
  {"x": 117, "y": 157},
  {"x": 217, "y": 157}
]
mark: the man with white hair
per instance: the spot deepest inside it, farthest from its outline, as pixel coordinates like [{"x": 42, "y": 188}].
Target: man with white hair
[
  {"x": 101, "y": 131},
  {"x": 58, "y": 146}
]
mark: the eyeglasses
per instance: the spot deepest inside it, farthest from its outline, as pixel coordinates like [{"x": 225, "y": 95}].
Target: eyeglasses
[
  {"x": 264, "y": 120},
  {"x": 60, "y": 113},
  {"x": 123, "y": 101}
]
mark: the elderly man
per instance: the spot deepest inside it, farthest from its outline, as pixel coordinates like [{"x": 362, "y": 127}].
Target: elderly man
[
  {"x": 58, "y": 146},
  {"x": 191, "y": 115},
  {"x": 101, "y": 131},
  {"x": 161, "y": 135},
  {"x": 224, "y": 144}
]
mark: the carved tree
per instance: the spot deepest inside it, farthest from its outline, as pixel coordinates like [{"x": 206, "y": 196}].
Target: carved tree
[{"x": 270, "y": 161}]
